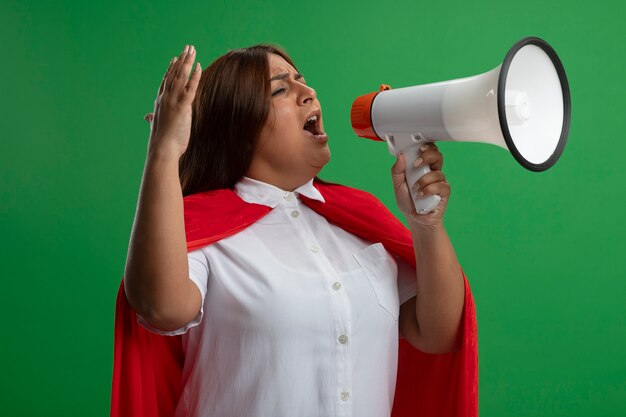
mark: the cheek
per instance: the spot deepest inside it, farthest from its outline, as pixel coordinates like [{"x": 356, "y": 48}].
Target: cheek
[{"x": 285, "y": 120}]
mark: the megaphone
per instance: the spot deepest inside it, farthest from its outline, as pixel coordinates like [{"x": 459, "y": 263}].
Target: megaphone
[{"x": 522, "y": 105}]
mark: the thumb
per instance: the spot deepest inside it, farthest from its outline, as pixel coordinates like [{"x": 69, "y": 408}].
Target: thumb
[{"x": 397, "y": 171}]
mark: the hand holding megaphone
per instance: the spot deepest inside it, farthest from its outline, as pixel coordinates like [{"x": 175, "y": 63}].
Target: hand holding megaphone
[
  {"x": 427, "y": 193},
  {"x": 522, "y": 105},
  {"x": 425, "y": 204}
]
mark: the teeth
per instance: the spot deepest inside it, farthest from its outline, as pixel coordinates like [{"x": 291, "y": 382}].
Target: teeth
[{"x": 312, "y": 119}]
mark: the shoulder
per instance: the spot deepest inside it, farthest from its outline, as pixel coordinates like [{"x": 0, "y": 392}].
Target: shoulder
[
  {"x": 213, "y": 215},
  {"x": 212, "y": 197}
]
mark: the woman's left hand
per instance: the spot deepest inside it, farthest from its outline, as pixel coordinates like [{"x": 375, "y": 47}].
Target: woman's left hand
[{"x": 433, "y": 182}]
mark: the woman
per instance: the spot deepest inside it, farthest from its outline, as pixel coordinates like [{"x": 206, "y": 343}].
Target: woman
[{"x": 282, "y": 310}]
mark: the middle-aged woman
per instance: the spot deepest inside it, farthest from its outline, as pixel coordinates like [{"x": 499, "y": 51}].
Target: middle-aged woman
[{"x": 271, "y": 292}]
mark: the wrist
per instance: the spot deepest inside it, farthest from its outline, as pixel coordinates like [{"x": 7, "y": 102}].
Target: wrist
[
  {"x": 427, "y": 237},
  {"x": 425, "y": 228},
  {"x": 164, "y": 152}
]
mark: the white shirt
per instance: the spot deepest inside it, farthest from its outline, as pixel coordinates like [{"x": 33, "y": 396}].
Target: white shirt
[{"x": 299, "y": 317}]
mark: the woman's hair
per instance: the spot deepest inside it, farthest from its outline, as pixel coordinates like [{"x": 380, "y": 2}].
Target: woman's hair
[{"x": 231, "y": 106}]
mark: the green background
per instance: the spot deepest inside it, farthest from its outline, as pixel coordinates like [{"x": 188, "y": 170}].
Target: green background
[{"x": 544, "y": 252}]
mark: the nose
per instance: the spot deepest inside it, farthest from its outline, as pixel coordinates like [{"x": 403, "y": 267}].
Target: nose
[{"x": 307, "y": 94}]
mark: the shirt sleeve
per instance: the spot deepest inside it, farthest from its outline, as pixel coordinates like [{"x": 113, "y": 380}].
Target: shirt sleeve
[
  {"x": 407, "y": 280},
  {"x": 199, "y": 274}
]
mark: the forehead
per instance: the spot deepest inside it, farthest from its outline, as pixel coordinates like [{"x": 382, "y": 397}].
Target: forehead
[{"x": 278, "y": 65}]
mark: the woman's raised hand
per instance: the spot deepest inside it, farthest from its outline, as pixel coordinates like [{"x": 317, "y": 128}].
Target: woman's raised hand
[{"x": 170, "y": 124}]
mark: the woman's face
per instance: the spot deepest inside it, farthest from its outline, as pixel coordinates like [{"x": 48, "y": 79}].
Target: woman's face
[{"x": 292, "y": 146}]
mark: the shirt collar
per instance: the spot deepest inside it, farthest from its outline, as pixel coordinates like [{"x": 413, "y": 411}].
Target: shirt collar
[{"x": 259, "y": 192}]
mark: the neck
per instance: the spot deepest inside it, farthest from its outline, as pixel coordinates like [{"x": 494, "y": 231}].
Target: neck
[{"x": 287, "y": 182}]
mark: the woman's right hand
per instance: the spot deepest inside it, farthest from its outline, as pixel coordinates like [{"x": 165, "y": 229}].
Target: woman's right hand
[{"x": 170, "y": 124}]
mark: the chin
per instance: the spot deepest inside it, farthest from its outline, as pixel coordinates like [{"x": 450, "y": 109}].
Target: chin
[{"x": 322, "y": 159}]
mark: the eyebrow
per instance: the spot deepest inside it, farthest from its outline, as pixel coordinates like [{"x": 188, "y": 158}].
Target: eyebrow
[{"x": 285, "y": 75}]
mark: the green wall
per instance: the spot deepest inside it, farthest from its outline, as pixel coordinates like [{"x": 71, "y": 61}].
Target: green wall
[{"x": 544, "y": 252}]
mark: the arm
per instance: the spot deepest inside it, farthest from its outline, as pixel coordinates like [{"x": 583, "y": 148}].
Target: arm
[
  {"x": 430, "y": 321},
  {"x": 156, "y": 276}
]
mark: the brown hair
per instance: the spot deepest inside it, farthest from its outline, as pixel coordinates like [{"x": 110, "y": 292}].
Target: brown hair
[{"x": 229, "y": 111}]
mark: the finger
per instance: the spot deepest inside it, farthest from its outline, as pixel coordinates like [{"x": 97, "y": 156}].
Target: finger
[
  {"x": 399, "y": 166},
  {"x": 192, "y": 84},
  {"x": 179, "y": 61},
  {"x": 397, "y": 171},
  {"x": 441, "y": 188},
  {"x": 167, "y": 73},
  {"x": 184, "y": 65},
  {"x": 171, "y": 76},
  {"x": 427, "y": 179},
  {"x": 428, "y": 145},
  {"x": 431, "y": 157}
]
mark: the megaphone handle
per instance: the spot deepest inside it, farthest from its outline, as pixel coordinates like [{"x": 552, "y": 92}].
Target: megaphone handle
[{"x": 423, "y": 205}]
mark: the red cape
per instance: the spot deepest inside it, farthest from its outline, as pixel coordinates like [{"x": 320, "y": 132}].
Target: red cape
[{"x": 147, "y": 366}]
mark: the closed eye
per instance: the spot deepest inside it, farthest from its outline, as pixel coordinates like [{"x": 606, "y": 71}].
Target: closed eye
[{"x": 278, "y": 91}]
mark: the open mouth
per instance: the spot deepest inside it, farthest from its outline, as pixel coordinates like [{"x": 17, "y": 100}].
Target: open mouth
[{"x": 312, "y": 126}]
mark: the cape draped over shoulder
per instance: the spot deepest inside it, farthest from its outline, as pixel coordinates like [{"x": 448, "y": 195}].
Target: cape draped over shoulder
[{"x": 147, "y": 367}]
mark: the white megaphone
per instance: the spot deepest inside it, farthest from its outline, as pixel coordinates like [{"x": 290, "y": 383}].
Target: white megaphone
[{"x": 523, "y": 105}]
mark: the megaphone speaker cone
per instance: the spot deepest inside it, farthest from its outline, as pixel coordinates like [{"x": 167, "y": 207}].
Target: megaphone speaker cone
[{"x": 534, "y": 104}]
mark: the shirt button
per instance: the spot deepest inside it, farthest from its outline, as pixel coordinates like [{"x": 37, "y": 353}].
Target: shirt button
[
  {"x": 343, "y": 339},
  {"x": 337, "y": 286},
  {"x": 295, "y": 213},
  {"x": 345, "y": 396},
  {"x": 314, "y": 248},
  {"x": 289, "y": 196}
]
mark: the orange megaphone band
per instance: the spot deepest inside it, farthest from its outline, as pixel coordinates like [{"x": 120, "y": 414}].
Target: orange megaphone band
[{"x": 361, "y": 114}]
